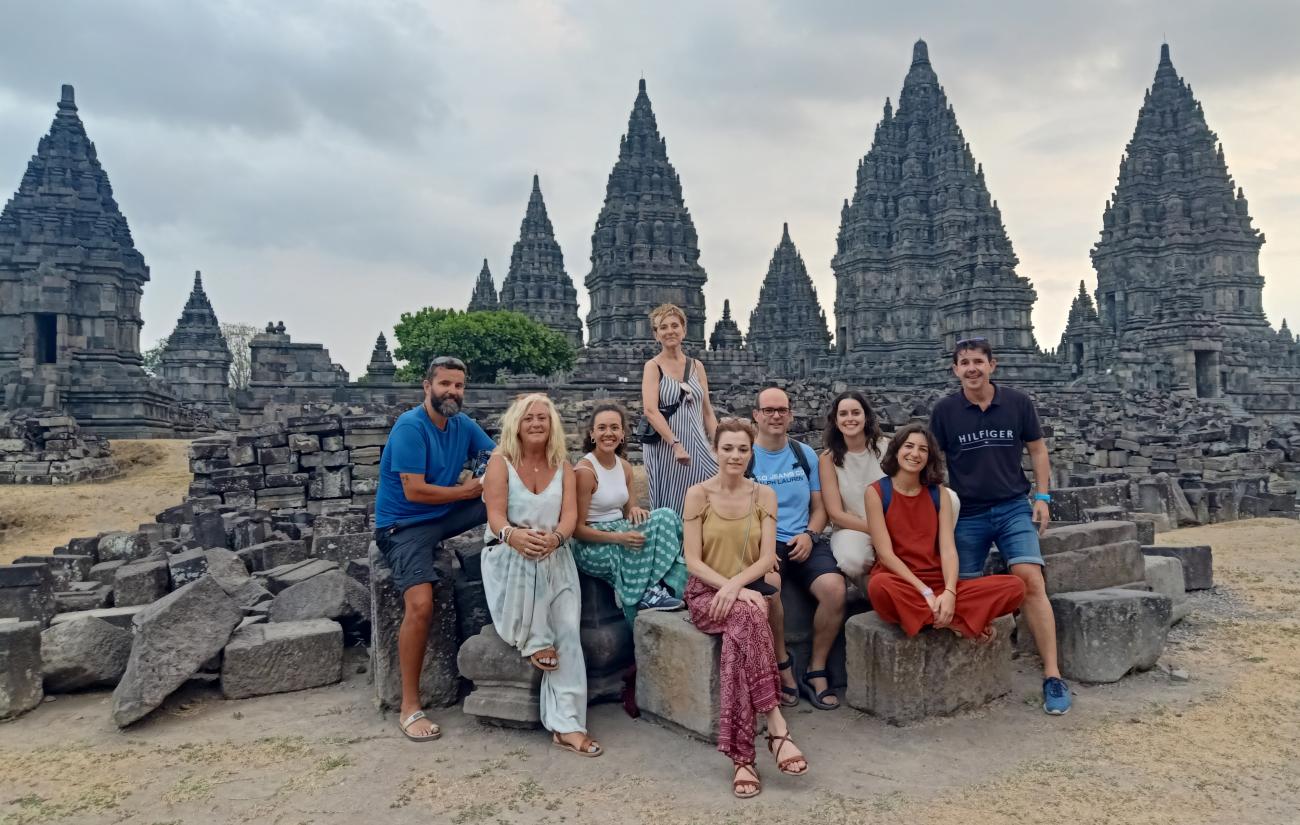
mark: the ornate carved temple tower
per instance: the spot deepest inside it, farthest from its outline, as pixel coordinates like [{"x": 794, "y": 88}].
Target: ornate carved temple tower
[
  {"x": 787, "y": 328},
  {"x": 70, "y": 286},
  {"x": 536, "y": 284},
  {"x": 922, "y": 257},
  {"x": 195, "y": 360},
  {"x": 1178, "y": 260},
  {"x": 484, "y": 298},
  {"x": 726, "y": 335},
  {"x": 644, "y": 251}
]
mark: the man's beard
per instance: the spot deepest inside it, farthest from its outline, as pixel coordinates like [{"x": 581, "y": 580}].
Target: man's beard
[{"x": 446, "y": 405}]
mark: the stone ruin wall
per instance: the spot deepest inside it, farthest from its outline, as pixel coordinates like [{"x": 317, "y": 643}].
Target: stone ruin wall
[{"x": 47, "y": 447}]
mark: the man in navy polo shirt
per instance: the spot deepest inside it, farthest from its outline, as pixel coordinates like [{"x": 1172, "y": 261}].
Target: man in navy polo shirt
[
  {"x": 421, "y": 501},
  {"x": 983, "y": 429}
]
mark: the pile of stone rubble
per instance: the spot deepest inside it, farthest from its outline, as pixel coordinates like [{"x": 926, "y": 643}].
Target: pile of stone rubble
[{"x": 47, "y": 447}]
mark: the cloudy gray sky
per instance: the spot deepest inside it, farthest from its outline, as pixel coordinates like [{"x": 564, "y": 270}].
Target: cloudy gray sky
[{"x": 332, "y": 164}]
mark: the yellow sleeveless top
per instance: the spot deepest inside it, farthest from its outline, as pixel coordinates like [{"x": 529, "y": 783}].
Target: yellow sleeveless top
[{"x": 726, "y": 549}]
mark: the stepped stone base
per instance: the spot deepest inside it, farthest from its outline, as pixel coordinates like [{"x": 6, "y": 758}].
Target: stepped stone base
[
  {"x": 1198, "y": 564},
  {"x": 677, "y": 679},
  {"x": 507, "y": 688},
  {"x": 935, "y": 673}
]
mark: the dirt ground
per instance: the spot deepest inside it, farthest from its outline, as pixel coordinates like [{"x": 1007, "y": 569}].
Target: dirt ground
[
  {"x": 1223, "y": 747},
  {"x": 36, "y": 519}
]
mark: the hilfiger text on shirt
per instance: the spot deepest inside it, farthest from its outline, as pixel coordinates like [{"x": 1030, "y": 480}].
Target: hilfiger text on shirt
[{"x": 986, "y": 435}]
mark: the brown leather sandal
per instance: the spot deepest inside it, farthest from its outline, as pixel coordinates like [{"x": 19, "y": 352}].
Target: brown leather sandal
[
  {"x": 755, "y": 785},
  {"x": 589, "y": 747},
  {"x": 545, "y": 653},
  {"x": 783, "y": 765}
]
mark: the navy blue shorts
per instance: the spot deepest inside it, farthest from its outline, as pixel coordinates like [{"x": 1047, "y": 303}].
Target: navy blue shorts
[{"x": 409, "y": 549}]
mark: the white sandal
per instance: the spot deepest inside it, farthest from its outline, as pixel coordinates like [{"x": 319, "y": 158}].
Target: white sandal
[{"x": 406, "y": 723}]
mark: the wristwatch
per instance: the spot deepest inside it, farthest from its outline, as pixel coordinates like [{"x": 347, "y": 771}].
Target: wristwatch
[
  {"x": 811, "y": 535},
  {"x": 1042, "y": 497}
]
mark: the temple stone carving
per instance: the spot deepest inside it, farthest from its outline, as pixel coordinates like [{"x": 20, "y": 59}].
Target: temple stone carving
[
  {"x": 787, "y": 328},
  {"x": 1179, "y": 291},
  {"x": 644, "y": 250},
  {"x": 922, "y": 257},
  {"x": 70, "y": 286},
  {"x": 537, "y": 285},
  {"x": 484, "y": 298},
  {"x": 726, "y": 335},
  {"x": 195, "y": 360}
]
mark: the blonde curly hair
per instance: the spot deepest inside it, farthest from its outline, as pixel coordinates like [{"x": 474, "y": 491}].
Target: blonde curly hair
[{"x": 510, "y": 447}]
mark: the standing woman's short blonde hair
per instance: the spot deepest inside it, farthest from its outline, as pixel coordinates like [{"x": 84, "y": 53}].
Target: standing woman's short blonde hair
[
  {"x": 659, "y": 313},
  {"x": 511, "y": 449}
]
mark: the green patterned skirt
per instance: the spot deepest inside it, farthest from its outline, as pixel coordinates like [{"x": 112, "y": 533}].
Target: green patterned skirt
[{"x": 631, "y": 572}]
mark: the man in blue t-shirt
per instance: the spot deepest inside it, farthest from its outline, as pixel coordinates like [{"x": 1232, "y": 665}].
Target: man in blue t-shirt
[
  {"x": 422, "y": 501},
  {"x": 983, "y": 430},
  {"x": 805, "y": 556}
]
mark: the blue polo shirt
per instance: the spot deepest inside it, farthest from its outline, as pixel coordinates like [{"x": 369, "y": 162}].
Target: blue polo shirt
[
  {"x": 794, "y": 490},
  {"x": 416, "y": 445},
  {"x": 982, "y": 448}
]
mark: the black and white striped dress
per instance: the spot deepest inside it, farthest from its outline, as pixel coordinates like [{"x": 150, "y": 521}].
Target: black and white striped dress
[{"x": 668, "y": 480}]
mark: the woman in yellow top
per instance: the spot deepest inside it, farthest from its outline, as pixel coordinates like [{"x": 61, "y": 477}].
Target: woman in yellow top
[{"x": 730, "y": 546}]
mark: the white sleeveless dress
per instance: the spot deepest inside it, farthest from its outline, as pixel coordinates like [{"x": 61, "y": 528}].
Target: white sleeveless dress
[{"x": 536, "y": 604}]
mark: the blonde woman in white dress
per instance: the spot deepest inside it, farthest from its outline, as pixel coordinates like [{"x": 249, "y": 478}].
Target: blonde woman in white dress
[{"x": 529, "y": 577}]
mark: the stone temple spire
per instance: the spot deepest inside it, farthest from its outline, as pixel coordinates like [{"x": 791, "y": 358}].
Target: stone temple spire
[
  {"x": 381, "y": 368},
  {"x": 726, "y": 335},
  {"x": 1176, "y": 221},
  {"x": 644, "y": 250},
  {"x": 537, "y": 285},
  {"x": 70, "y": 286},
  {"x": 196, "y": 360},
  {"x": 484, "y": 298},
  {"x": 787, "y": 328},
  {"x": 922, "y": 257}
]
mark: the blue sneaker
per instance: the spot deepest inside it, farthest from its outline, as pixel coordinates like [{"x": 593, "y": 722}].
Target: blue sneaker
[
  {"x": 658, "y": 598},
  {"x": 1056, "y": 696}
]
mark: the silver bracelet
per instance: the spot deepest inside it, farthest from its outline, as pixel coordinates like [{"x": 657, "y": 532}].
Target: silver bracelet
[{"x": 505, "y": 533}]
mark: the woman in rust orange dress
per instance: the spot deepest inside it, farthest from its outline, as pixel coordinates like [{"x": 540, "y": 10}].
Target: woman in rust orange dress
[{"x": 914, "y": 581}]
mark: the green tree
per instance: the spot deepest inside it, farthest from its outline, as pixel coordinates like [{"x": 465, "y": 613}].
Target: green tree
[
  {"x": 485, "y": 341},
  {"x": 153, "y": 357}
]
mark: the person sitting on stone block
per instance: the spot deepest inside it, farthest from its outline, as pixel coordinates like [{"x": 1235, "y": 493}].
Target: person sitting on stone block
[
  {"x": 914, "y": 581},
  {"x": 421, "y": 501},
  {"x": 791, "y": 470},
  {"x": 730, "y": 544},
  {"x": 638, "y": 553},
  {"x": 983, "y": 430},
  {"x": 849, "y": 464},
  {"x": 529, "y": 578}
]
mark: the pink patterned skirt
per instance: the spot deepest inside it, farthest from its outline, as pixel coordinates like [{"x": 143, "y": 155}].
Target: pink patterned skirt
[{"x": 750, "y": 683}]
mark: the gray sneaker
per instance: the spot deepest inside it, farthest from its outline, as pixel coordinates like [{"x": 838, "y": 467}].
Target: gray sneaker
[{"x": 658, "y": 598}]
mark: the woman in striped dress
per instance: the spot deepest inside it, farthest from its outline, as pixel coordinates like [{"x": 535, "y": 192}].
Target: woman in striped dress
[{"x": 683, "y": 457}]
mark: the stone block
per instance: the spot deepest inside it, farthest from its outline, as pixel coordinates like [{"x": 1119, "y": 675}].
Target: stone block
[
  {"x": 27, "y": 593},
  {"x": 273, "y": 455},
  {"x": 64, "y": 569},
  {"x": 304, "y": 442},
  {"x": 439, "y": 678},
  {"x": 105, "y": 571},
  {"x": 331, "y": 594},
  {"x": 20, "y": 668},
  {"x": 278, "y": 658},
  {"x": 1198, "y": 563},
  {"x": 85, "y": 546},
  {"x": 506, "y": 685},
  {"x": 282, "y": 498},
  {"x": 127, "y": 547},
  {"x": 1103, "y": 634},
  {"x": 1164, "y": 575},
  {"x": 273, "y": 553},
  {"x": 1088, "y": 534},
  {"x": 326, "y": 483},
  {"x": 607, "y": 646},
  {"x": 174, "y": 636},
  {"x": 340, "y": 549},
  {"x": 313, "y": 424},
  {"x": 677, "y": 679},
  {"x": 84, "y": 653},
  {"x": 84, "y": 596},
  {"x": 187, "y": 566},
  {"x": 324, "y": 459},
  {"x": 141, "y": 583},
  {"x": 209, "y": 530},
  {"x": 934, "y": 673},
  {"x": 226, "y": 567},
  {"x": 1092, "y": 568},
  {"x": 287, "y": 575},
  {"x": 122, "y": 617},
  {"x": 236, "y": 479},
  {"x": 331, "y": 443}
]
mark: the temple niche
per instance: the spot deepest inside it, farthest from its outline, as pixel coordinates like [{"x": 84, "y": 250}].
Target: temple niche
[{"x": 70, "y": 286}]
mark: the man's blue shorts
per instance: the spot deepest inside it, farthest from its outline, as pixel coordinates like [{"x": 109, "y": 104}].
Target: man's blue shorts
[
  {"x": 1009, "y": 525},
  {"x": 409, "y": 550}
]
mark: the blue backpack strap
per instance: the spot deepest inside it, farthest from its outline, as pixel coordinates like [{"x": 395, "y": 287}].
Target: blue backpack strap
[
  {"x": 886, "y": 493},
  {"x": 934, "y": 496}
]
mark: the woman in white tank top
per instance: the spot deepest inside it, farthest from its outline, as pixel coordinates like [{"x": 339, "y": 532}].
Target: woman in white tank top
[{"x": 637, "y": 553}]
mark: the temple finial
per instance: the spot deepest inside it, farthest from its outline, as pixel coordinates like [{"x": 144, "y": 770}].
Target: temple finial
[
  {"x": 69, "y": 96},
  {"x": 1164, "y": 53},
  {"x": 785, "y": 233},
  {"x": 920, "y": 53},
  {"x": 641, "y": 85}
]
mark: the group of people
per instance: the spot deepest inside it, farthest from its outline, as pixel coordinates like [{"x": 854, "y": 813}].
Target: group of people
[{"x": 738, "y": 512}]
